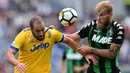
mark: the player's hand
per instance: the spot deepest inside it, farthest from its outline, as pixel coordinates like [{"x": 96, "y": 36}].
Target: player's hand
[
  {"x": 84, "y": 50},
  {"x": 77, "y": 69},
  {"x": 89, "y": 57},
  {"x": 81, "y": 68},
  {"x": 52, "y": 26},
  {"x": 21, "y": 67}
]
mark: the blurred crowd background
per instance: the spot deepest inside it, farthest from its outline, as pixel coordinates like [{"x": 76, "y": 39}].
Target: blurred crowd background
[{"x": 15, "y": 15}]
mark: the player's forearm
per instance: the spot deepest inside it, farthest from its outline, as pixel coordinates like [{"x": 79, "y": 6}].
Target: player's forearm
[
  {"x": 62, "y": 66},
  {"x": 73, "y": 44},
  {"x": 11, "y": 58},
  {"x": 72, "y": 36},
  {"x": 85, "y": 67},
  {"x": 107, "y": 53}
]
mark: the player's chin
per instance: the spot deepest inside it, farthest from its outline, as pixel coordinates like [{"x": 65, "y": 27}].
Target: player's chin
[{"x": 40, "y": 38}]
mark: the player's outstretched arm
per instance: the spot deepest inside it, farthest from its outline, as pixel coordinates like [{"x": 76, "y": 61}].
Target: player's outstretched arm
[
  {"x": 10, "y": 57},
  {"x": 108, "y": 53},
  {"x": 73, "y": 36},
  {"x": 81, "y": 68},
  {"x": 63, "y": 66},
  {"x": 70, "y": 42}
]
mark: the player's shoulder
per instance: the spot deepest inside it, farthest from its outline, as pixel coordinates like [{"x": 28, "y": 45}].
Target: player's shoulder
[
  {"x": 117, "y": 25},
  {"x": 48, "y": 29},
  {"x": 25, "y": 31},
  {"x": 52, "y": 30},
  {"x": 91, "y": 23}
]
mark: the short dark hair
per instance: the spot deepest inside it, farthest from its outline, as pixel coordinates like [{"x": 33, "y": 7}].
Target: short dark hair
[{"x": 35, "y": 20}]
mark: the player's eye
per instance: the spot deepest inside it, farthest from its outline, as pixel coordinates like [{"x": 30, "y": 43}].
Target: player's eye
[
  {"x": 37, "y": 30},
  {"x": 43, "y": 29},
  {"x": 102, "y": 14}
]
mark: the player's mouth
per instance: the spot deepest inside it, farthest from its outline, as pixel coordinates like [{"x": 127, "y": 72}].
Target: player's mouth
[
  {"x": 41, "y": 37},
  {"x": 99, "y": 21}
]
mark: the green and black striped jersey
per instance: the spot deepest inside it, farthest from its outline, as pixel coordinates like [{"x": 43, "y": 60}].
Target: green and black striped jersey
[
  {"x": 73, "y": 58},
  {"x": 101, "y": 39}
]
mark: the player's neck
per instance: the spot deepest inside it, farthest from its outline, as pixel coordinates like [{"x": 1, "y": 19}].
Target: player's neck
[
  {"x": 36, "y": 37},
  {"x": 107, "y": 25}
]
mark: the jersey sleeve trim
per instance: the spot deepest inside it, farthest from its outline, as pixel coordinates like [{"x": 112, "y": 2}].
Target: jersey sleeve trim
[
  {"x": 14, "y": 48},
  {"x": 62, "y": 38}
]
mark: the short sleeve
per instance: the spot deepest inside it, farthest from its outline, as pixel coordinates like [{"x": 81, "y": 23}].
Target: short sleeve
[
  {"x": 19, "y": 41},
  {"x": 57, "y": 36},
  {"x": 118, "y": 35},
  {"x": 84, "y": 31}
]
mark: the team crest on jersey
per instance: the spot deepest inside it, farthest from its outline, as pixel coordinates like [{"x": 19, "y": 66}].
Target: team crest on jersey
[
  {"x": 49, "y": 34},
  {"x": 110, "y": 32},
  {"x": 31, "y": 39}
]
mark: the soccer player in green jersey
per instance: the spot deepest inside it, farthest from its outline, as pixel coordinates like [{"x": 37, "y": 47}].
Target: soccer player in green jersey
[
  {"x": 76, "y": 63},
  {"x": 105, "y": 38}
]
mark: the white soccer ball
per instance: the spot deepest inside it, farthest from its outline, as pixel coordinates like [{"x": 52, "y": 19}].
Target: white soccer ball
[{"x": 68, "y": 16}]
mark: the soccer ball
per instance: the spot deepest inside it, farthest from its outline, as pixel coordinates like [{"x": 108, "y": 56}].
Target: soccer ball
[{"x": 68, "y": 17}]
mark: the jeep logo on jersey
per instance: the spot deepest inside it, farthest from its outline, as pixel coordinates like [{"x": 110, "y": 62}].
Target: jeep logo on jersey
[
  {"x": 42, "y": 45},
  {"x": 103, "y": 40}
]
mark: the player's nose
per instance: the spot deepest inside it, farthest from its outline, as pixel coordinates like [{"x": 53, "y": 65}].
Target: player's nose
[
  {"x": 41, "y": 33},
  {"x": 99, "y": 17}
]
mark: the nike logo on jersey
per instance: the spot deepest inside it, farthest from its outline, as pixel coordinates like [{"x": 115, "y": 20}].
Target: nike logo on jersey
[
  {"x": 42, "y": 45},
  {"x": 103, "y": 40}
]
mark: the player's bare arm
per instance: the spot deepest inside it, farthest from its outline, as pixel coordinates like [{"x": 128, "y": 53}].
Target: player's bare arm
[
  {"x": 71, "y": 42},
  {"x": 62, "y": 66},
  {"x": 108, "y": 53},
  {"x": 76, "y": 37},
  {"x": 11, "y": 58},
  {"x": 73, "y": 36},
  {"x": 81, "y": 68}
]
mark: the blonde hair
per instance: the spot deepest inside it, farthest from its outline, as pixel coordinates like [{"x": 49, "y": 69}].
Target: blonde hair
[{"x": 106, "y": 5}]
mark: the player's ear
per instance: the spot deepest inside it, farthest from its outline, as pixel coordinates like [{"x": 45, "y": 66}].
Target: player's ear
[{"x": 31, "y": 28}]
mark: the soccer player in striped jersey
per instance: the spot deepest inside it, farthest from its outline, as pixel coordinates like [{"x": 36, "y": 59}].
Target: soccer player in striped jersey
[
  {"x": 76, "y": 63},
  {"x": 34, "y": 45},
  {"x": 105, "y": 38}
]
